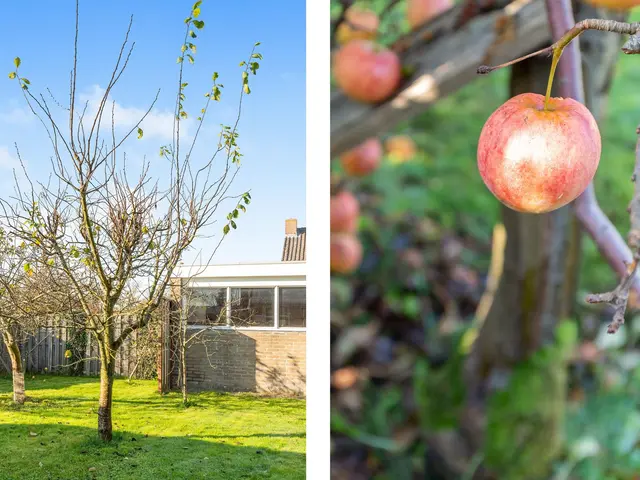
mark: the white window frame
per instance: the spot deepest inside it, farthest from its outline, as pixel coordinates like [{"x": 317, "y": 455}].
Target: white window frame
[{"x": 271, "y": 283}]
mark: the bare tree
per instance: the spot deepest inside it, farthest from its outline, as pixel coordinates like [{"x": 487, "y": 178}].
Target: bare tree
[
  {"x": 28, "y": 296},
  {"x": 118, "y": 241}
]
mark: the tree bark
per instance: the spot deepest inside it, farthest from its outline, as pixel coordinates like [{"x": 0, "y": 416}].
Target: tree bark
[
  {"x": 183, "y": 360},
  {"x": 17, "y": 368},
  {"x": 107, "y": 371}
]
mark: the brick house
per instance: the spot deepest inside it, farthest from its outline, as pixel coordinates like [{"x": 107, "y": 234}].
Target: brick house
[{"x": 248, "y": 322}]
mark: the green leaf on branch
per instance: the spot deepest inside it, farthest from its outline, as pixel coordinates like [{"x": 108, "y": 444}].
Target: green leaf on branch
[
  {"x": 257, "y": 55},
  {"x": 235, "y": 213},
  {"x": 195, "y": 13},
  {"x": 233, "y": 224},
  {"x": 199, "y": 24},
  {"x": 26, "y": 80},
  {"x": 192, "y": 34},
  {"x": 256, "y": 44},
  {"x": 254, "y": 67},
  {"x": 226, "y": 229},
  {"x": 179, "y": 60},
  {"x": 242, "y": 64},
  {"x": 12, "y": 75},
  {"x": 215, "y": 76},
  {"x": 140, "y": 133},
  {"x": 246, "y": 89},
  {"x": 190, "y": 57},
  {"x": 17, "y": 62}
]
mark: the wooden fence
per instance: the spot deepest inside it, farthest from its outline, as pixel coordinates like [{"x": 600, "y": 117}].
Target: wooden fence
[{"x": 44, "y": 351}]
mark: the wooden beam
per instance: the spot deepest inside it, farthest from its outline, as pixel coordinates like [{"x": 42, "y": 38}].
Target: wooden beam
[{"x": 442, "y": 58}]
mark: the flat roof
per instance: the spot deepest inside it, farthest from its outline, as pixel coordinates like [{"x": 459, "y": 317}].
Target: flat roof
[{"x": 244, "y": 270}]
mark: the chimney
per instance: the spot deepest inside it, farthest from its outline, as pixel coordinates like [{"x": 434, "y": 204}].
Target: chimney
[{"x": 291, "y": 226}]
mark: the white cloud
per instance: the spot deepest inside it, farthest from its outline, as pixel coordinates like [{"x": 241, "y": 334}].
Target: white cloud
[
  {"x": 8, "y": 161},
  {"x": 17, "y": 116},
  {"x": 158, "y": 124}
]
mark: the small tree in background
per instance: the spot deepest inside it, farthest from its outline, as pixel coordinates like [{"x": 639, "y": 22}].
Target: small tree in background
[
  {"x": 118, "y": 241},
  {"x": 29, "y": 295}
]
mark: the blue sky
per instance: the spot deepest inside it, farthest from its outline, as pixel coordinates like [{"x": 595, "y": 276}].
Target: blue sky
[{"x": 272, "y": 129}]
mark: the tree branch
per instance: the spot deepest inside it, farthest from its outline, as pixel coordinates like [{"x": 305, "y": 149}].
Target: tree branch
[
  {"x": 618, "y": 298},
  {"x": 442, "y": 57}
]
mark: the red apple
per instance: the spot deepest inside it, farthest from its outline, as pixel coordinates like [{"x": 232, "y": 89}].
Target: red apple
[
  {"x": 421, "y": 11},
  {"x": 359, "y": 24},
  {"x": 346, "y": 252},
  {"x": 400, "y": 148},
  {"x": 344, "y": 212},
  {"x": 615, "y": 4},
  {"x": 535, "y": 160},
  {"x": 363, "y": 159},
  {"x": 366, "y": 72}
]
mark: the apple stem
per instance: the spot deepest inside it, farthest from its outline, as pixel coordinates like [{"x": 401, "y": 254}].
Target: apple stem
[{"x": 557, "y": 53}]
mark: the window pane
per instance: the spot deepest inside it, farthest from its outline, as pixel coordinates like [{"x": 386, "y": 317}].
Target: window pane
[
  {"x": 206, "y": 306},
  {"x": 293, "y": 307},
  {"x": 252, "y": 307}
]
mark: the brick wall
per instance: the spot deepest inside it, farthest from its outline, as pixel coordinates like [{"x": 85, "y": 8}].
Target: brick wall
[{"x": 271, "y": 362}]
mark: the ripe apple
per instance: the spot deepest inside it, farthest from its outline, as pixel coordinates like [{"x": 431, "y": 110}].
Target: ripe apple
[
  {"x": 366, "y": 72},
  {"x": 346, "y": 252},
  {"x": 363, "y": 159},
  {"x": 615, "y": 4},
  {"x": 359, "y": 24},
  {"x": 400, "y": 148},
  {"x": 535, "y": 160},
  {"x": 421, "y": 11},
  {"x": 344, "y": 212}
]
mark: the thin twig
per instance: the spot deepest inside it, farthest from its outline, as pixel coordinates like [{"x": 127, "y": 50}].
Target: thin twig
[
  {"x": 619, "y": 297},
  {"x": 632, "y": 46}
]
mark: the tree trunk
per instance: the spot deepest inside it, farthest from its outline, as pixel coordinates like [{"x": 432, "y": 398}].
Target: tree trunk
[
  {"x": 183, "y": 360},
  {"x": 17, "y": 368},
  {"x": 536, "y": 291},
  {"x": 107, "y": 371}
]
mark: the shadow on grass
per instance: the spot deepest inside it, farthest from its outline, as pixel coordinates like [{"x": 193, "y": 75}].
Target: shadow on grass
[
  {"x": 46, "y": 382},
  {"x": 52, "y": 451}
]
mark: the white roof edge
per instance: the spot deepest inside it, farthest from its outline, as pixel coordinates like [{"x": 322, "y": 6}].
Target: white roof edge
[{"x": 275, "y": 269}]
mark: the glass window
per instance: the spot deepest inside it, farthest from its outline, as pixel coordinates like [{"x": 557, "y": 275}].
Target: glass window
[
  {"x": 293, "y": 307},
  {"x": 252, "y": 307},
  {"x": 206, "y": 306}
]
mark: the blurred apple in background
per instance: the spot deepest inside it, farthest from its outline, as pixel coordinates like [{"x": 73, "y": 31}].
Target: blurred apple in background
[
  {"x": 344, "y": 212},
  {"x": 346, "y": 252},
  {"x": 366, "y": 72},
  {"x": 615, "y": 4},
  {"x": 400, "y": 148},
  {"x": 363, "y": 159},
  {"x": 421, "y": 11},
  {"x": 359, "y": 24}
]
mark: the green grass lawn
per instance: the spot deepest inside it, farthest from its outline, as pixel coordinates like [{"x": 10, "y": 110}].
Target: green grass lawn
[{"x": 225, "y": 436}]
